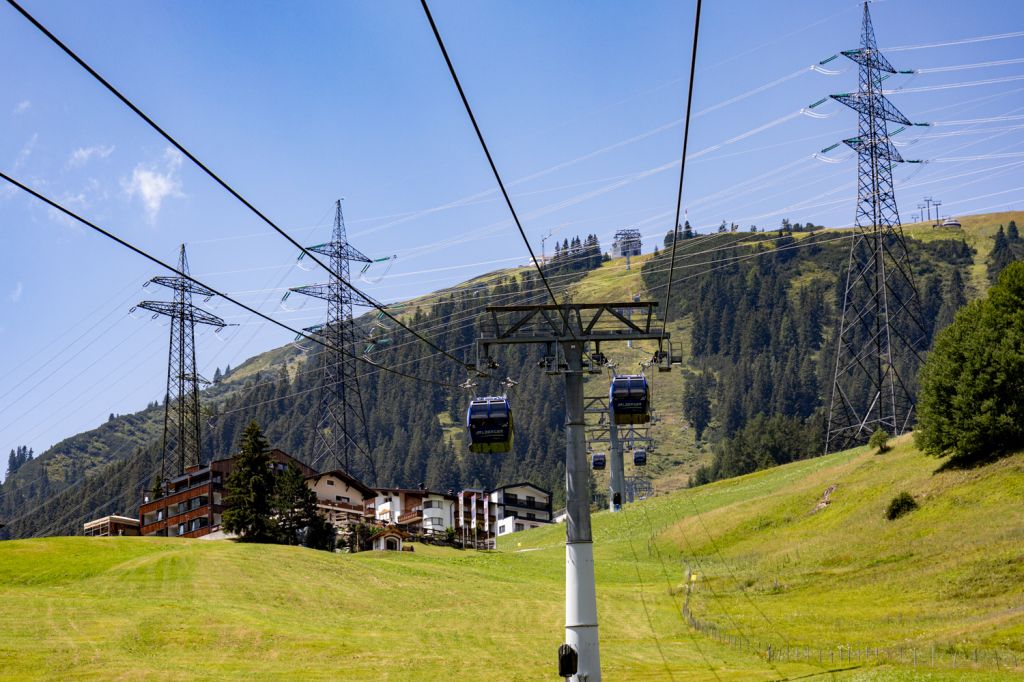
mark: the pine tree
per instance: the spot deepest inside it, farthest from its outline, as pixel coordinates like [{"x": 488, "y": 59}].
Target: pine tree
[
  {"x": 1001, "y": 256},
  {"x": 953, "y": 299},
  {"x": 1011, "y": 232},
  {"x": 687, "y": 230},
  {"x": 971, "y": 402},
  {"x": 250, "y": 488},
  {"x": 296, "y": 520},
  {"x": 697, "y": 404},
  {"x": 931, "y": 303}
]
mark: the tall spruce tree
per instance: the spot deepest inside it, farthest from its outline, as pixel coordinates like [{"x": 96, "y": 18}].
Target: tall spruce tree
[
  {"x": 249, "y": 489},
  {"x": 1001, "y": 256},
  {"x": 697, "y": 404},
  {"x": 295, "y": 516},
  {"x": 970, "y": 404},
  {"x": 953, "y": 299}
]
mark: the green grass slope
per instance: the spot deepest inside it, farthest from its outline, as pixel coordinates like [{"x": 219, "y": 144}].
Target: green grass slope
[{"x": 769, "y": 570}]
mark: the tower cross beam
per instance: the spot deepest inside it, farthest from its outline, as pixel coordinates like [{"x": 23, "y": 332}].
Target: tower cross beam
[
  {"x": 341, "y": 416},
  {"x": 880, "y": 334},
  {"x": 182, "y": 443},
  {"x": 569, "y": 331}
]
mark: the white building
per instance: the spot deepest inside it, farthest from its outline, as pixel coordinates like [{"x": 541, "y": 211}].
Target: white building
[
  {"x": 341, "y": 498},
  {"x": 520, "y": 506},
  {"x": 389, "y": 540},
  {"x": 416, "y": 510}
]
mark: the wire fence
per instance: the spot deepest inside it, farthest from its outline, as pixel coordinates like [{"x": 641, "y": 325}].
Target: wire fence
[{"x": 934, "y": 656}]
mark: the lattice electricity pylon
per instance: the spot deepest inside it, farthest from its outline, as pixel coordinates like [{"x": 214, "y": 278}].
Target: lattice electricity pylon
[
  {"x": 880, "y": 334},
  {"x": 341, "y": 418},
  {"x": 182, "y": 437}
]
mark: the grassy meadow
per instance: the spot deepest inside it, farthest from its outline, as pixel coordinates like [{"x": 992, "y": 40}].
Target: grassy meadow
[{"x": 949, "y": 575}]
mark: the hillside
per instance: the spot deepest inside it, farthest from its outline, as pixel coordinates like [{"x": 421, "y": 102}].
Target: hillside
[
  {"x": 948, "y": 576},
  {"x": 106, "y": 469}
]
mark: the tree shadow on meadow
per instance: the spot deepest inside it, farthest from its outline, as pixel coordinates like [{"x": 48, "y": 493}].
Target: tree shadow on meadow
[{"x": 967, "y": 463}]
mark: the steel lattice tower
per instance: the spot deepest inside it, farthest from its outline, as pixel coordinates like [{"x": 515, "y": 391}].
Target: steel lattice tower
[
  {"x": 182, "y": 428},
  {"x": 880, "y": 333},
  {"x": 341, "y": 416}
]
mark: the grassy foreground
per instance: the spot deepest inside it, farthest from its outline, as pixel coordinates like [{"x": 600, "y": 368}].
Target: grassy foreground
[{"x": 769, "y": 570}]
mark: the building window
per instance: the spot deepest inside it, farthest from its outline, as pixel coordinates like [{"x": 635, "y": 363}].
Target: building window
[
  {"x": 181, "y": 529},
  {"x": 330, "y": 481},
  {"x": 531, "y": 515},
  {"x": 520, "y": 527}
]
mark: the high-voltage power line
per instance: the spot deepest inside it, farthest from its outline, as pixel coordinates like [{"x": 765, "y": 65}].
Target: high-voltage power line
[
  {"x": 182, "y": 438},
  {"x": 880, "y": 333},
  {"x": 341, "y": 415}
]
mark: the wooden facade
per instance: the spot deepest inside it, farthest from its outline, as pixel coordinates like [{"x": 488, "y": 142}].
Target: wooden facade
[
  {"x": 193, "y": 503},
  {"x": 111, "y": 526}
]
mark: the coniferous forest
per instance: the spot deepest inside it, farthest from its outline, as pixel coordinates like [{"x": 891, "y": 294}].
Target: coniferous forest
[
  {"x": 762, "y": 330},
  {"x": 761, "y": 307},
  {"x": 414, "y": 431}
]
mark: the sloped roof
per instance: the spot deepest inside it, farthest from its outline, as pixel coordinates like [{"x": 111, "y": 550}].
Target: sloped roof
[
  {"x": 524, "y": 484},
  {"x": 350, "y": 480}
]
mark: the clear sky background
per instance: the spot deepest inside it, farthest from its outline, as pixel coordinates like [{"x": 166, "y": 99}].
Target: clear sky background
[{"x": 297, "y": 104}]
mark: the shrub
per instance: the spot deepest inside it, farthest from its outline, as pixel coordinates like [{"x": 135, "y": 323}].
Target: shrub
[
  {"x": 901, "y": 504},
  {"x": 971, "y": 401},
  {"x": 879, "y": 440}
]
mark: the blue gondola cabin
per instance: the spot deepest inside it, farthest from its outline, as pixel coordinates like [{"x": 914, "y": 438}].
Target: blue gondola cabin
[
  {"x": 630, "y": 399},
  {"x": 489, "y": 422}
]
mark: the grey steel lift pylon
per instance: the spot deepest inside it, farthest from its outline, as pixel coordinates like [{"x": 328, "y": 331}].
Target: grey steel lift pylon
[
  {"x": 572, "y": 334},
  {"x": 606, "y": 431}
]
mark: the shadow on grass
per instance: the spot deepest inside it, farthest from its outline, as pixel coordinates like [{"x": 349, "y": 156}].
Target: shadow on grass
[
  {"x": 966, "y": 463},
  {"x": 819, "y": 673}
]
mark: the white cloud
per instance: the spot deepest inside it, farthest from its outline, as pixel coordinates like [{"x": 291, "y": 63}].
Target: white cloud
[
  {"x": 16, "y": 294},
  {"x": 26, "y": 151},
  {"x": 83, "y": 155},
  {"x": 22, "y": 106},
  {"x": 153, "y": 184}
]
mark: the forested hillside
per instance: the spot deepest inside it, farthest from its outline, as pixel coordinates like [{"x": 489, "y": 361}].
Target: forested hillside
[
  {"x": 106, "y": 470},
  {"x": 763, "y": 309},
  {"x": 759, "y": 309}
]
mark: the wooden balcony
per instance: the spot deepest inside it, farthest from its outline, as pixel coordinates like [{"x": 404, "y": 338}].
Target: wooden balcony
[
  {"x": 342, "y": 506},
  {"x": 414, "y": 515}
]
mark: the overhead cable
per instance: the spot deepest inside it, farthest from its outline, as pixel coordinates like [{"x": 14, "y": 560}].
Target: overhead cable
[
  {"x": 154, "y": 259},
  {"x": 487, "y": 152},
  {"x": 231, "y": 190},
  {"x": 962, "y": 41},
  {"x": 682, "y": 164}
]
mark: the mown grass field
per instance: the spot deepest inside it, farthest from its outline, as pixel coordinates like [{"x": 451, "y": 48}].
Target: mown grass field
[{"x": 950, "y": 574}]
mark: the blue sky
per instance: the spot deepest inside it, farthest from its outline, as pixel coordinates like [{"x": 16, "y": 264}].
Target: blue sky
[{"x": 297, "y": 104}]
